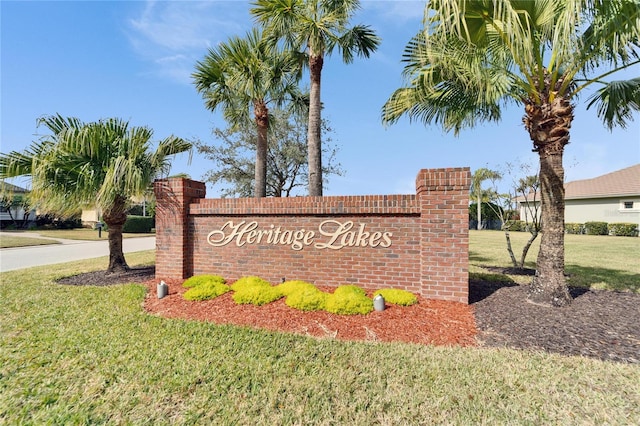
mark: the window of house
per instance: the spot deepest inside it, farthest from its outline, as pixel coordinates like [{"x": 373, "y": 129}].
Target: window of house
[{"x": 628, "y": 204}]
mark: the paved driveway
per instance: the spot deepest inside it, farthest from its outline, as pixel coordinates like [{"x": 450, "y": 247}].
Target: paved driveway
[{"x": 26, "y": 257}]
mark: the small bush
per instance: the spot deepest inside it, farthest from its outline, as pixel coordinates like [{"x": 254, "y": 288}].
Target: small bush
[
  {"x": 349, "y": 300},
  {"x": 206, "y": 291},
  {"x": 596, "y": 228},
  {"x": 397, "y": 296},
  {"x": 138, "y": 224},
  {"x": 307, "y": 299},
  {"x": 623, "y": 229},
  {"x": 197, "y": 280},
  {"x": 257, "y": 295},
  {"x": 251, "y": 281},
  {"x": 516, "y": 225},
  {"x": 574, "y": 228},
  {"x": 289, "y": 287}
]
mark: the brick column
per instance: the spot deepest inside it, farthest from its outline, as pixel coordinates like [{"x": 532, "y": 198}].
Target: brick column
[
  {"x": 173, "y": 249},
  {"x": 443, "y": 197}
]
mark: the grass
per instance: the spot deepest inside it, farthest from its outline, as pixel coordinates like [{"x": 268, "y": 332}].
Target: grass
[
  {"x": 591, "y": 261},
  {"x": 30, "y": 238},
  {"x": 91, "y": 355},
  {"x": 10, "y": 241}
]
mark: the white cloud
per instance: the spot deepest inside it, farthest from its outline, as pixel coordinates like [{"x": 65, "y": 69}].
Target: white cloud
[{"x": 173, "y": 35}]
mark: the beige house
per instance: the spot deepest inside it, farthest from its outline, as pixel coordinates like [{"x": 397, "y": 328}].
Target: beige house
[{"x": 611, "y": 198}]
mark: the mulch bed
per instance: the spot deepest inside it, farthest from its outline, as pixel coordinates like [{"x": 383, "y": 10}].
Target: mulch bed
[{"x": 598, "y": 324}]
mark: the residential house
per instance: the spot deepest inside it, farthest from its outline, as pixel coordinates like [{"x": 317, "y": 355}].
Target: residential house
[
  {"x": 14, "y": 214},
  {"x": 612, "y": 198}
]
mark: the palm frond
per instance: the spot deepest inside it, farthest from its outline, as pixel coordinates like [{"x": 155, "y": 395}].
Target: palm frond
[{"x": 617, "y": 102}]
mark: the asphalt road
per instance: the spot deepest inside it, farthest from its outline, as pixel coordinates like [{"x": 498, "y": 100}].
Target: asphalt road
[{"x": 70, "y": 250}]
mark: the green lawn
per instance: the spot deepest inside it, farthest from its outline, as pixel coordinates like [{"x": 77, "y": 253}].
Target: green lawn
[
  {"x": 597, "y": 262},
  {"x": 30, "y": 238},
  {"x": 10, "y": 241},
  {"x": 91, "y": 355}
]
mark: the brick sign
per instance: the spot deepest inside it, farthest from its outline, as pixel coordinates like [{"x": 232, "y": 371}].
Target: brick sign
[{"x": 417, "y": 242}]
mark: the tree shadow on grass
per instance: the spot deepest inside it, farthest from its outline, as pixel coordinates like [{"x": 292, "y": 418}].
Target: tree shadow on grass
[{"x": 602, "y": 278}]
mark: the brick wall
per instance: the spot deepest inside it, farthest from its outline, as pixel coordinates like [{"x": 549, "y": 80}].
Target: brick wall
[{"x": 415, "y": 242}]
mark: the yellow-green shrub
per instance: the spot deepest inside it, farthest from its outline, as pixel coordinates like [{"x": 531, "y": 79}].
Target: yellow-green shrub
[
  {"x": 246, "y": 282},
  {"x": 197, "y": 280},
  {"x": 206, "y": 291},
  {"x": 397, "y": 296},
  {"x": 306, "y": 298},
  {"x": 257, "y": 295},
  {"x": 289, "y": 287},
  {"x": 349, "y": 300}
]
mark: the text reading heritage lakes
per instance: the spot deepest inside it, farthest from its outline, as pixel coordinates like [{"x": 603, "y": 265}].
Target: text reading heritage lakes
[{"x": 331, "y": 234}]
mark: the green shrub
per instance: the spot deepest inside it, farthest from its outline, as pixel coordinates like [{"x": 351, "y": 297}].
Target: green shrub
[
  {"x": 206, "y": 291},
  {"x": 516, "y": 225},
  {"x": 138, "y": 224},
  {"x": 307, "y": 298},
  {"x": 574, "y": 228},
  {"x": 623, "y": 229},
  {"x": 251, "y": 281},
  {"x": 289, "y": 287},
  {"x": 397, "y": 296},
  {"x": 197, "y": 280},
  {"x": 257, "y": 295},
  {"x": 596, "y": 228},
  {"x": 349, "y": 300}
]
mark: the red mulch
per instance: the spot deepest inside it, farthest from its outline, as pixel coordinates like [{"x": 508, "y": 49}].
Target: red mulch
[{"x": 429, "y": 322}]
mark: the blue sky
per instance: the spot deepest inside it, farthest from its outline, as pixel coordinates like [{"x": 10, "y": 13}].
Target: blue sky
[{"x": 133, "y": 60}]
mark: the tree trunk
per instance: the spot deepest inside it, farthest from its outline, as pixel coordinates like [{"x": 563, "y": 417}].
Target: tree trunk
[
  {"x": 479, "y": 213},
  {"x": 507, "y": 236},
  {"x": 261, "y": 113},
  {"x": 548, "y": 125},
  {"x": 314, "y": 143},
  {"x": 526, "y": 248},
  {"x": 115, "y": 219}
]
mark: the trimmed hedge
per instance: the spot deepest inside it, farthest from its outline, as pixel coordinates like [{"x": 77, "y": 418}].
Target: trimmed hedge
[
  {"x": 596, "y": 228},
  {"x": 574, "y": 228},
  {"x": 623, "y": 229},
  {"x": 138, "y": 224},
  {"x": 197, "y": 280}
]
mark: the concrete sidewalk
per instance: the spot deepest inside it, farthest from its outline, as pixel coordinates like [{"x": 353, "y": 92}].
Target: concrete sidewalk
[{"x": 26, "y": 257}]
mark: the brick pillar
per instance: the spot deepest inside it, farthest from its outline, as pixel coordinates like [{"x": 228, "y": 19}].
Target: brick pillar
[
  {"x": 443, "y": 196},
  {"x": 174, "y": 258}
]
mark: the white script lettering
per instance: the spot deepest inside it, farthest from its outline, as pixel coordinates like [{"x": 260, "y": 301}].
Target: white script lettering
[{"x": 339, "y": 235}]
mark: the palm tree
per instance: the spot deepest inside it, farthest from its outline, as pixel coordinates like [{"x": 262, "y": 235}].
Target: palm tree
[
  {"x": 477, "y": 193},
  {"x": 249, "y": 73},
  {"x": 316, "y": 27},
  {"x": 474, "y": 57},
  {"x": 101, "y": 164}
]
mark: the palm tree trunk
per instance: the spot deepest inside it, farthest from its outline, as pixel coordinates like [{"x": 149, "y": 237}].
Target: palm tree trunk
[
  {"x": 314, "y": 144},
  {"x": 261, "y": 113},
  {"x": 115, "y": 219},
  {"x": 548, "y": 125},
  {"x": 549, "y": 285}
]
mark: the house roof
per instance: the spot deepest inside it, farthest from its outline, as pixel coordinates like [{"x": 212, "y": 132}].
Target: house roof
[
  {"x": 625, "y": 182},
  {"x": 7, "y": 187},
  {"x": 621, "y": 183}
]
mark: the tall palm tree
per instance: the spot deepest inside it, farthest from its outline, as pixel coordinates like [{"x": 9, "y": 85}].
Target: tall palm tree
[
  {"x": 244, "y": 74},
  {"x": 101, "y": 164},
  {"x": 316, "y": 28},
  {"x": 477, "y": 193},
  {"x": 475, "y": 57}
]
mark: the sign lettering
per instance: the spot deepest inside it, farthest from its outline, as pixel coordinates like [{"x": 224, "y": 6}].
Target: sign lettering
[{"x": 336, "y": 235}]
